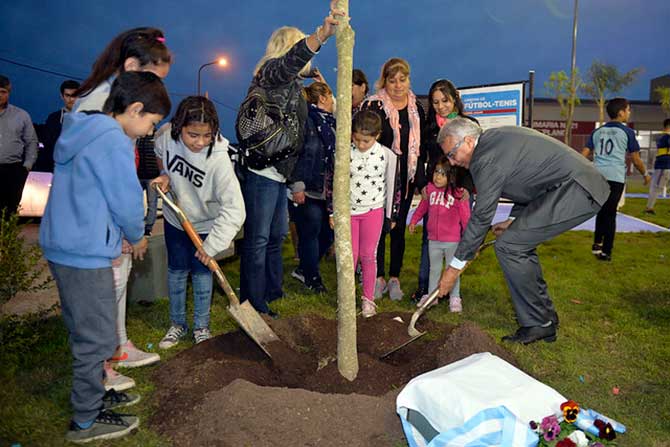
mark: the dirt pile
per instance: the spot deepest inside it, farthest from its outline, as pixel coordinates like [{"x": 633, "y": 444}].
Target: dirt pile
[{"x": 299, "y": 397}]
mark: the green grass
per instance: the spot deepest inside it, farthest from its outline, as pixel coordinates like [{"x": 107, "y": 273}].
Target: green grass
[{"x": 615, "y": 331}]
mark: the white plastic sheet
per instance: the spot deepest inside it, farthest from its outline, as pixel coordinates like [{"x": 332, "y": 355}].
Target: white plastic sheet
[{"x": 483, "y": 393}]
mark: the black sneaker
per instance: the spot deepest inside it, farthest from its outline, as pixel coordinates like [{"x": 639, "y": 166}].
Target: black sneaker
[
  {"x": 107, "y": 425},
  {"x": 418, "y": 294},
  {"x": 317, "y": 287},
  {"x": 114, "y": 399},
  {"x": 596, "y": 249},
  {"x": 648, "y": 211},
  {"x": 299, "y": 275},
  {"x": 603, "y": 257}
]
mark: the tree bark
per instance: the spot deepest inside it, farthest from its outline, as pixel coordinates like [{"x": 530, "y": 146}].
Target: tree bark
[
  {"x": 573, "y": 75},
  {"x": 347, "y": 354}
]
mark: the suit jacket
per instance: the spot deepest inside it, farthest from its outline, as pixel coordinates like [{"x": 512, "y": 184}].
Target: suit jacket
[{"x": 522, "y": 165}]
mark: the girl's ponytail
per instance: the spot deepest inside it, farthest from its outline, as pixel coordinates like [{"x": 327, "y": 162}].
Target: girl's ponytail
[{"x": 146, "y": 44}]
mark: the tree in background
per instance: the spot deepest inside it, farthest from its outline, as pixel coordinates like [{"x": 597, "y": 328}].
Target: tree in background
[
  {"x": 604, "y": 80},
  {"x": 664, "y": 98},
  {"x": 347, "y": 354},
  {"x": 559, "y": 86}
]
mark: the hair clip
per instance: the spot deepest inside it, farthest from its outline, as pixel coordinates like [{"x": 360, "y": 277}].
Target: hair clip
[{"x": 160, "y": 39}]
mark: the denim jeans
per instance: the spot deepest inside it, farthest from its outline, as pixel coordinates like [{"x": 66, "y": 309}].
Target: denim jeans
[
  {"x": 314, "y": 237},
  {"x": 152, "y": 205},
  {"x": 265, "y": 228},
  {"x": 181, "y": 261}
]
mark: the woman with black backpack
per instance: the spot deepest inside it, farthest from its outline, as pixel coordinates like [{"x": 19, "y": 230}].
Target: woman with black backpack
[{"x": 277, "y": 82}]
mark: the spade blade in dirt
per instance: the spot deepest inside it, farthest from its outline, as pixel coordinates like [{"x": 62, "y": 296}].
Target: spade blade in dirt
[
  {"x": 411, "y": 329},
  {"x": 244, "y": 313}
]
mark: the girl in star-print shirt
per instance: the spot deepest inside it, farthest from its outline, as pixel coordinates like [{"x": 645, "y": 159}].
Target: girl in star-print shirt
[{"x": 374, "y": 196}]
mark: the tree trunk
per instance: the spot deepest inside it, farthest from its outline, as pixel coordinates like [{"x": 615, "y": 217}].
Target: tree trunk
[
  {"x": 347, "y": 354},
  {"x": 573, "y": 76},
  {"x": 601, "y": 109}
]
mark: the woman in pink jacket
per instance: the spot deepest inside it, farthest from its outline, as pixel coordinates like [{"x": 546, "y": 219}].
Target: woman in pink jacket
[{"x": 448, "y": 214}]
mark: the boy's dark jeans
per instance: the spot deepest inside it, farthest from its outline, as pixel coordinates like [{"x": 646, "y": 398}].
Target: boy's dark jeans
[
  {"x": 89, "y": 311},
  {"x": 314, "y": 236}
]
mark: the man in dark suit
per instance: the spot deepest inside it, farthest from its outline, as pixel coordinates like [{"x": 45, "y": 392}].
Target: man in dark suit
[
  {"x": 553, "y": 189},
  {"x": 51, "y": 129}
]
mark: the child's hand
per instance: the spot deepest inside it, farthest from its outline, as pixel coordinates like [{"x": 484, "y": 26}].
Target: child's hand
[
  {"x": 163, "y": 182},
  {"x": 299, "y": 197},
  {"x": 203, "y": 257},
  {"x": 412, "y": 228},
  {"x": 126, "y": 248},
  {"x": 424, "y": 193},
  {"x": 331, "y": 222},
  {"x": 392, "y": 224},
  {"x": 140, "y": 249}
]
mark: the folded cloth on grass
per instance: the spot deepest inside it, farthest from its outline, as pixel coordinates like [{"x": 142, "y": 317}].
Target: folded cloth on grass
[{"x": 479, "y": 401}]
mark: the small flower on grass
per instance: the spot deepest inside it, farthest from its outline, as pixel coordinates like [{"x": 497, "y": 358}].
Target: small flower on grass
[
  {"x": 605, "y": 430},
  {"x": 550, "y": 427},
  {"x": 597, "y": 444},
  {"x": 533, "y": 425},
  {"x": 579, "y": 438},
  {"x": 570, "y": 411},
  {"x": 566, "y": 442}
]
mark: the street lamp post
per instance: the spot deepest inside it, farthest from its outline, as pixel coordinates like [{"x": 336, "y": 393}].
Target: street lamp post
[{"x": 221, "y": 62}]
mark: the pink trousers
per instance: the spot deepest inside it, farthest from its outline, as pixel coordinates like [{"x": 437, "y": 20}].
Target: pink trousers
[{"x": 365, "y": 231}]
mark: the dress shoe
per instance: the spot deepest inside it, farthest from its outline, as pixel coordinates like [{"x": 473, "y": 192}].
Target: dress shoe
[{"x": 531, "y": 334}]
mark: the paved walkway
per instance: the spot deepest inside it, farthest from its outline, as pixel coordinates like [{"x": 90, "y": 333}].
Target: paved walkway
[{"x": 624, "y": 222}]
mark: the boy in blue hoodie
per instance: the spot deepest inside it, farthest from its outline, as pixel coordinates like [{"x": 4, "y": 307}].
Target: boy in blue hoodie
[{"x": 95, "y": 200}]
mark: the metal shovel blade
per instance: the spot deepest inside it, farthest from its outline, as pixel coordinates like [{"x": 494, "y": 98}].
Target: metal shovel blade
[
  {"x": 252, "y": 324},
  {"x": 412, "y": 331}
]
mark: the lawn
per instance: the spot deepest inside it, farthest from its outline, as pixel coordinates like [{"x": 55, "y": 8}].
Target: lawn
[{"x": 614, "y": 333}]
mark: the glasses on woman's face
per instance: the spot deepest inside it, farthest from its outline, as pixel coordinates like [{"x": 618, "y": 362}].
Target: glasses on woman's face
[
  {"x": 452, "y": 153},
  {"x": 441, "y": 171}
]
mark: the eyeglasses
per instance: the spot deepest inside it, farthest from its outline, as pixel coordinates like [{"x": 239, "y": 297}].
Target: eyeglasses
[
  {"x": 440, "y": 171},
  {"x": 452, "y": 153}
]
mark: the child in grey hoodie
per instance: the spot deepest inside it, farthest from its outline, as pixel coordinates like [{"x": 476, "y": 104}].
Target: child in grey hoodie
[{"x": 194, "y": 163}]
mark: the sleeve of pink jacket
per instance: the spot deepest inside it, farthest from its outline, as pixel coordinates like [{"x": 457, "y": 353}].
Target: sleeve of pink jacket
[{"x": 421, "y": 210}]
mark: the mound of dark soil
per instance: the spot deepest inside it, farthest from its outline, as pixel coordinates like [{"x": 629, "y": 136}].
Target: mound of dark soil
[{"x": 298, "y": 398}]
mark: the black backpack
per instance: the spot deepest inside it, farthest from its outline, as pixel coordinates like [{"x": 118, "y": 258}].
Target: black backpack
[{"x": 266, "y": 132}]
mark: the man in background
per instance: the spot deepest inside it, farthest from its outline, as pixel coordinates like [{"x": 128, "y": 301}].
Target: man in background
[
  {"x": 51, "y": 130},
  {"x": 18, "y": 150}
]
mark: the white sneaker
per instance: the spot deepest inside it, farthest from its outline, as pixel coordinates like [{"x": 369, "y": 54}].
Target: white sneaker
[
  {"x": 369, "y": 308},
  {"x": 423, "y": 300},
  {"x": 380, "y": 287},
  {"x": 202, "y": 334},
  {"x": 172, "y": 337},
  {"x": 116, "y": 381},
  {"x": 395, "y": 292},
  {"x": 131, "y": 357},
  {"x": 455, "y": 304}
]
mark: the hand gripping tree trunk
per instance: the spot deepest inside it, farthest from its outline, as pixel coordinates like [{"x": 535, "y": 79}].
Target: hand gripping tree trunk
[{"x": 347, "y": 355}]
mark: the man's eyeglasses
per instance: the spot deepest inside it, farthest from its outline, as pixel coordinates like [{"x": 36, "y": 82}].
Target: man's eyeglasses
[{"x": 452, "y": 153}]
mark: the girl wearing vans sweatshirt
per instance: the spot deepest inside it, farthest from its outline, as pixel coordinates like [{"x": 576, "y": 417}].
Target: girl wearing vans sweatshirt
[{"x": 194, "y": 163}]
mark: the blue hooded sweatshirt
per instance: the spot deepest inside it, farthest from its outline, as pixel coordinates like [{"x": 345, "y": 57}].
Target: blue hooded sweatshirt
[{"x": 95, "y": 198}]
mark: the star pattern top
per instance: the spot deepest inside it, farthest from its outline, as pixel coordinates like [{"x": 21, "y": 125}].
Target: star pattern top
[{"x": 368, "y": 187}]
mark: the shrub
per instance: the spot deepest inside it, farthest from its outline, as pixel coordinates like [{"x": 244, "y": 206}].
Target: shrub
[{"x": 19, "y": 269}]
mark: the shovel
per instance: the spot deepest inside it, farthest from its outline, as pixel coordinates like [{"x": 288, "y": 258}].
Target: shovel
[
  {"x": 244, "y": 313},
  {"x": 413, "y": 331}
]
